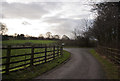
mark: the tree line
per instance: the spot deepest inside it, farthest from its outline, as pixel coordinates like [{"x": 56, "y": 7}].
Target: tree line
[
  {"x": 106, "y": 26},
  {"x": 24, "y": 37},
  {"x": 48, "y": 36}
]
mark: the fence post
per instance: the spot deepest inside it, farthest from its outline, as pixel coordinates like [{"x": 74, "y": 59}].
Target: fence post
[
  {"x": 32, "y": 56},
  {"x": 61, "y": 50},
  {"x": 53, "y": 52},
  {"x": 57, "y": 50},
  {"x": 119, "y": 63},
  {"x": 45, "y": 53},
  {"x": 8, "y": 59}
]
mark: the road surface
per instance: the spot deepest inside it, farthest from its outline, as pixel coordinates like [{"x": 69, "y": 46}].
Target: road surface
[{"x": 82, "y": 65}]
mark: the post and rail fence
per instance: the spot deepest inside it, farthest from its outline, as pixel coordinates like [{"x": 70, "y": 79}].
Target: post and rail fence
[
  {"x": 15, "y": 62},
  {"x": 111, "y": 53}
]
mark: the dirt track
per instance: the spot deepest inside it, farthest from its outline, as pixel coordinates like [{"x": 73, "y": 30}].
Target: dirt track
[{"x": 82, "y": 65}]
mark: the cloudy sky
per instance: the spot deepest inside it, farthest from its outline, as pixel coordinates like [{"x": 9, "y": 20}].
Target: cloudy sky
[{"x": 35, "y": 17}]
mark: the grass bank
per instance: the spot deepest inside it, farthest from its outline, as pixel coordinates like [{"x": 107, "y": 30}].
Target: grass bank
[
  {"x": 111, "y": 70},
  {"x": 35, "y": 71}
]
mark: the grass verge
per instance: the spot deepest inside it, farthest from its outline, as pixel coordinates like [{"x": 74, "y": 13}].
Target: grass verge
[
  {"x": 111, "y": 70},
  {"x": 35, "y": 71}
]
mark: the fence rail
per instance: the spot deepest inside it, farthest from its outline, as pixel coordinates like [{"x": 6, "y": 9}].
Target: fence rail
[
  {"x": 110, "y": 53},
  {"x": 12, "y": 61}
]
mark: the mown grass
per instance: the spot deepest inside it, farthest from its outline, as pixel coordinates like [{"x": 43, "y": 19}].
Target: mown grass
[
  {"x": 24, "y": 51},
  {"x": 13, "y": 42},
  {"x": 36, "y": 71},
  {"x": 111, "y": 70}
]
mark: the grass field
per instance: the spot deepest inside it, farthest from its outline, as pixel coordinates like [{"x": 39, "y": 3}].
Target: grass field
[
  {"x": 13, "y": 42},
  {"x": 35, "y": 71},
  {"x": 25, "y": 51}
]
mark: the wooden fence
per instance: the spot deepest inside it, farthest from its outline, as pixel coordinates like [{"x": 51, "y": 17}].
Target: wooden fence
[
  {"x": 110, "y": 53},
  {"x": 13, "y": 60}
]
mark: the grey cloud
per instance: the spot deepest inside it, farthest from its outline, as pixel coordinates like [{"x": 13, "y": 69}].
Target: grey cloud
[
  {"x": 31, "y": 10},
  {"x": 55, "y": 20},
  {"x": 61, "y": 21},
  {"x": 81, "y": 16},
  {"x": 65, "y": 25},
  {"x": 50, "y": 6},
  {"x": 65, "y": 28},
  {"x": 1, "y": 15},
  {"x": 112, "y": 0},
  {"x": 68, "y": 27},
  {"x": 26, "y": 23}
]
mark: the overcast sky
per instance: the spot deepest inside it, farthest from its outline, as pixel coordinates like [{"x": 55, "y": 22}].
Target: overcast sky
[{"x": 35, "y": 17}]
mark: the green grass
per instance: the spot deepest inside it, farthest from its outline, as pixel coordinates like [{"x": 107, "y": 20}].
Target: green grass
[
  {"x": 110, "y": 69},
  {"x": 75, "y": 47},
  {"x": 24, "y": 51},
  {"x": 13, "y": 42},
  {"x": 35, "y": 71}
]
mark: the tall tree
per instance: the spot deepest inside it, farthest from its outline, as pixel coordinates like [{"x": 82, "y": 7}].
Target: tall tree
[{"x": 106, "y": 26}]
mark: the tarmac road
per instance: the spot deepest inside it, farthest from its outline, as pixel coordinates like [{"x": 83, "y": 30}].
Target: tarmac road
[{"x": 82, "y": 65}]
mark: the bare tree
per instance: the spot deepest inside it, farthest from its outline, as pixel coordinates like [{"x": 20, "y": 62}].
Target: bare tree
[
  {"x": 15, "y": 34},
  {"x": 48, "y": 35},
  {"x": 65, "y": 37},
  {"x": 79, "y": 30},
  {"x": 56, "y": 37},
  {"x": 3, "y": 29},
  {"x": 41, "y": 36}
]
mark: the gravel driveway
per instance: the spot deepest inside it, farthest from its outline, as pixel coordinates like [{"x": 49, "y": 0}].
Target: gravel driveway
[{"x": 82, "y": 65}]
